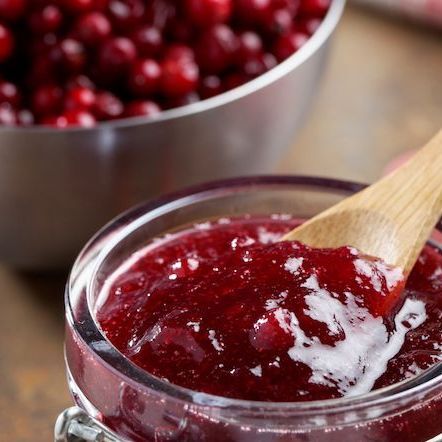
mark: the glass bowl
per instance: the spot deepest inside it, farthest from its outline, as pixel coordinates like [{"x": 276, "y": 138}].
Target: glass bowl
[{"x": 137, "y": 406}]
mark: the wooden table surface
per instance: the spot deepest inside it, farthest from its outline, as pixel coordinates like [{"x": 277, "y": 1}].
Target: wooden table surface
[{"x": 381, "y": 95}]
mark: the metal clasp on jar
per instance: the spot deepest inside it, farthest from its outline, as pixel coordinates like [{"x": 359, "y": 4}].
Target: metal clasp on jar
[{"x": 75, "y": 425}]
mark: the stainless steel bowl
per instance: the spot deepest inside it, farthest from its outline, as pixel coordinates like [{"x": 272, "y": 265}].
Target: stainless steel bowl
[{"x": 57, "y": 187}]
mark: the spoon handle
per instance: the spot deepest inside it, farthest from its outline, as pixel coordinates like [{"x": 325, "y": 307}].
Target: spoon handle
[
  {"x": 391, "y": 219},
  {"x": 413, "y": 199}
]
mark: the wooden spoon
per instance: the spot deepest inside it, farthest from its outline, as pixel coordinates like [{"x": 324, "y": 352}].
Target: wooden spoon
[{"x": 392, "y": 219}]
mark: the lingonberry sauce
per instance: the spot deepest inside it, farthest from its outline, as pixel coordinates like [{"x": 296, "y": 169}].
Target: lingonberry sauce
[{"x": 223, "y": 308}]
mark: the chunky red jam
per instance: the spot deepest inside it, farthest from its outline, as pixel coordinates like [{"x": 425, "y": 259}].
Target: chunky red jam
[{"x": 223, "y": 308}]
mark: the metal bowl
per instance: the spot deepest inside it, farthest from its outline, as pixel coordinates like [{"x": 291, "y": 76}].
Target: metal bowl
[{"x": 58, "y": 186}]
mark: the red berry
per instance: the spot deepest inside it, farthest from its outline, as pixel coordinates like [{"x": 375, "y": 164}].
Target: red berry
[
  {"x": 79, "y": 98},
  {"x": 314, "y": 7},
  {"x": 12, "y": 10},
  {"x": 308, "y": 25},
  {"x": 40, "y": 47},
  {"x": 6, "y": 43},
  {"x": 179, "y": 52},
  {"x": 216, "y": 49},
  {"x": 180, "y": 77},
  {"x": 183, "y": 100},
  {"x": 25, "y": 117},
  {"x": 92, "y": 28},
  {"x": 125, "y": 14},
  {"x": 42, "y": 71},
  {"x": 9, "y": 94},
  {"x": 180, "y": 30},
  {"x": 47, "y": 100},
  {"x": 116, "y": 56},
  {"x": 59, "y": 121},
  {"x": 142, "y": 108},
  {"x": 107, "y": 106},
  {"x": 235, "y": 80},
  {"x": 278, "y": 21},
  {"x": 287, "y": 44},
  {"x": 70, "y": 55},
  {"x": 249, "y": 45},
  {"x": 252, "y": 11},
  {"x": 144, "y": 77},
  {"x": 259, "y": 64},
  {"x": 80, "y": 80},
  {"x": 46, "y": 20},
  {"x": 210, "y": 86},
  {"x": 78, "y": 117},
  {"x": 79, "y": 6},
  {"x": 8, "y": 117},
  {"x": 148, "y": 41},
  {"x": 208, "y": 12},
  {"x": 291, "y": 5}
]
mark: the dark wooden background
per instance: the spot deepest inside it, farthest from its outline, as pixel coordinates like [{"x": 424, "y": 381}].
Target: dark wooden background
[{"x": 381, "y": 95}]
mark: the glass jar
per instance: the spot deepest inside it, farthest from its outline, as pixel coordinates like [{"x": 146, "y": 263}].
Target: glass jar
[{"x": 119, "y": 401}]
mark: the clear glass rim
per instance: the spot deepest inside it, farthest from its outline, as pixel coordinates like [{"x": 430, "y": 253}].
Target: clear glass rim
[
  {"x": 126, "y": 223},
  {"x": 319, "y": 37}
]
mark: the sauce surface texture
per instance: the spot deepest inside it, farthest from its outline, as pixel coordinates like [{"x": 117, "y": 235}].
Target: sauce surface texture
[{"x": 224, "y": 308}]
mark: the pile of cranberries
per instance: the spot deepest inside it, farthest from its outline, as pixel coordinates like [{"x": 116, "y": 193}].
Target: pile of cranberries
[{"x": 76, "y": 62}]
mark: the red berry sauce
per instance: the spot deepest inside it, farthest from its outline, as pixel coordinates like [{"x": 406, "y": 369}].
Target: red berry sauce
[
  {"x": 166, "y": 53},
  {"x": 223, "y": 308}
]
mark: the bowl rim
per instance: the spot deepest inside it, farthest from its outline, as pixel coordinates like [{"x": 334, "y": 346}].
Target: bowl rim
[
  {"x": 89, "y": 332},
  {"x": 315, "y": 41}
]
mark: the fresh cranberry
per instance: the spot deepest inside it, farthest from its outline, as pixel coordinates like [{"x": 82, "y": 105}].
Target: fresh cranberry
[
  {"x": 148, "y": 40},
  {"x": 208, "y": 12},
  {"x": 144, "y": 77},
  {"x": 125, "y": 14},
  {"x": 179, "y": 52},
  {"x": 42, "y": 71},
  {"x": 6, "y": 43},
  {"x": 287, "y": 44},
  {"x": 278, "y": 21},
  {"x": 183, "y": 100},
  {"x": 216, "y": 49},
  {"x": 9, "y": 94},
  {"x": 235, "y": 80},
  {"x": 308, "y": 25},
  {"x": 314, "y": 7},
  {"x": 179, "y": 77},
  {"x": 12, "y": 10},
  {"x": 93, "y": 28},
  {"x": 210, "y": 86},
  {"x": 142, "y": 108},
  {"x": 107, "y": 106},
  {"x": 41, "y": 46},
  {"x": 116, "y": 56},
  {"x": 79, "y": 6},
  {"x": 80, "y": 80},
  {"x": 47, "y": 100},
  {"x": 25, "y": 117},
  {"x": 143, "y": 49},
  {"x": 58, "y": 121},
  {"x": 252, "y": 11},
  {"x": 259, "y": 64},
  {"x": 46, "y": 20},
  {"x": 291, "y": 5},
  {"x": 180, "y": 30},
  {"x": 8, "y": 117},
  {"x": 79, "y": 98},
  {"x": 249, "y": 46},
  {"x": 70, "y": 55},
  {"x": 78, "y": 117}
]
